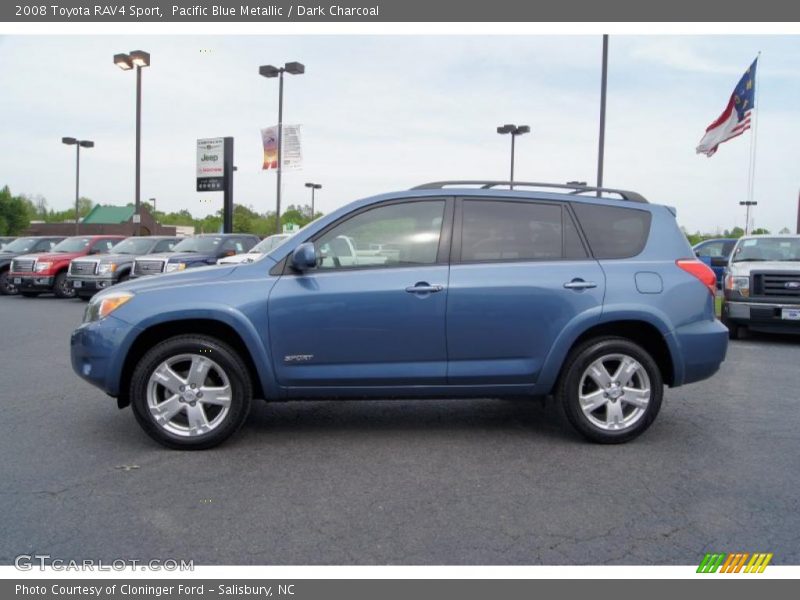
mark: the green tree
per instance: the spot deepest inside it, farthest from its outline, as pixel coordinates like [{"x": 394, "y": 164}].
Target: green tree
[
  {"x": 15, "y": 212},
  {"x": 760, "y": 231}
]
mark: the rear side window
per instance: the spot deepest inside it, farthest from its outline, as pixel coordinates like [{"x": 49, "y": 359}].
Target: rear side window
[
  {"x": 506, "y": 231},
  {"x": 612, "y": 231}
]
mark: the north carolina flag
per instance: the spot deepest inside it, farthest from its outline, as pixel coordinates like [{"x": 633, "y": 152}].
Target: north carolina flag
[{"x": 735, "y": 119}]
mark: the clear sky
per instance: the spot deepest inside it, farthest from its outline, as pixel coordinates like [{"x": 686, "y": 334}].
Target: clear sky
[{"x": 382, "y": 113}]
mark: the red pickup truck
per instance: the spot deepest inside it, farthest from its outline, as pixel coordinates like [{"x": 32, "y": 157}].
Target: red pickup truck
[{"x": 34, "y": 274}]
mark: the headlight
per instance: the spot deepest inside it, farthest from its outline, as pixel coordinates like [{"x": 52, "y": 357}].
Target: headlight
[
  {"x": 42, "y": 267},
  {"x": 741, "y": 285},
  {"x": 106, "y": 268},
  {"x": 175, "y": 267},
  {"x": 102, "y": 306}
]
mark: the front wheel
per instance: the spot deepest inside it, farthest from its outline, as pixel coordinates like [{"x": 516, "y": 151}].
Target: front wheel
[
  {"x": 191, "y": 392},
  {"x": 610, "y": 390},
  {"x": 6, "y": 287},
  {"x": 61, "y": 287}
]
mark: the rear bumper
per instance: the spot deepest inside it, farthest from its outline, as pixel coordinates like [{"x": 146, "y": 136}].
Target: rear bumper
[
  {"x": 763, "y": 316},
  {"x": 702, "y": 347},
  {"x": 31, "y": 282}
]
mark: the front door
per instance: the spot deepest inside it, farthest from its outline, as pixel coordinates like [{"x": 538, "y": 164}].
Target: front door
[{"x": 373, "y": 311}]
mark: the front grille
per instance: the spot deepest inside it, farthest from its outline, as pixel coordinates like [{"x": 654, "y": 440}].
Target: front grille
[
  {"x": 148, "y": 267},
  {"x": 83, "y": 267},
  {"x": 776, "y": 285},
  {"x": 22, "y": 265}
]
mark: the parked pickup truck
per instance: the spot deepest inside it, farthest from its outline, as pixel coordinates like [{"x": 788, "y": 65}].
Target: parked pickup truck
[
  {"x": 762, "y": 286},
  {"x": 92, "y": 274},
  {"x": 34, "y": 274},
  {"x": 197, "y": 251},
  {"x": 20, "y": 246},
  {"x": 467, "y": 292}
]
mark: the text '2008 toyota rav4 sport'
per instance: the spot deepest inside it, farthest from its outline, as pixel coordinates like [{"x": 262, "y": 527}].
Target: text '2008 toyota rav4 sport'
[{"x": 456, "y": 289}]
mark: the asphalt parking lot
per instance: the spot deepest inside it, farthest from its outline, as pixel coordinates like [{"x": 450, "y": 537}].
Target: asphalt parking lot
[{"x": 424, "y": 482}]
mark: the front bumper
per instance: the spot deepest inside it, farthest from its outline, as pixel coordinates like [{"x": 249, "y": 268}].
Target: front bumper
[
  {"x": 98, "y": 350},
  {"x": 83, "y": 285},
  {"x": 31, "y": 281},
  {"x": 768, "y": 317}
]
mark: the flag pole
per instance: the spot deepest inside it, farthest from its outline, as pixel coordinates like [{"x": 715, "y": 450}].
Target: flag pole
[{"x": 753, "y": 147}]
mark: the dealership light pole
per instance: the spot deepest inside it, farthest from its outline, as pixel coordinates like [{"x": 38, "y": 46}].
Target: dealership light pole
[
  {"x": 748, "y": 204},
  {"x": 269, "y": 71},
  {"x": 71, "y": 141},
  {"x": 314, "y": 187},
  {"x": 126, "y": 62},
  {"x": 514, "y": 130}
]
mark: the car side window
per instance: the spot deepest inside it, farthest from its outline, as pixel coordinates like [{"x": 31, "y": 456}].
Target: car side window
[
  {"x": 103, "y": 245},
  {"x": 495, "y": 230},
  {"x": 393, "y": 235}
]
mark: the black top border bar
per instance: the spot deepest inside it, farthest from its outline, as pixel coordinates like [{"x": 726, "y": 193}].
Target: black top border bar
[{"x": 342, "y": 11}]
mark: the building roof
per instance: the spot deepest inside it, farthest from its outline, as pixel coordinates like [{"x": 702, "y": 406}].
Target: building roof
[{"x": 109, "y": 215}]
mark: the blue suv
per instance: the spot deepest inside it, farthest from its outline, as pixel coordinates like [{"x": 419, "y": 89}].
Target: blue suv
[{"x": 452, "y": 289}]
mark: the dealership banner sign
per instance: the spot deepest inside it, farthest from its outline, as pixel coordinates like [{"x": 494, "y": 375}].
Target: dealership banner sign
[
  {"x": 210, "y": 164},
  {"x": 291, "y": 150}
]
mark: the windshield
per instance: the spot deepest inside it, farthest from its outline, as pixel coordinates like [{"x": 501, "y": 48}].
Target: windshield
[
  {"x": 20, "y": 245},
  {"x": 198, "y": 244},
  {"x": 133, "y": 246},
  {"x": 771, "y": 248},
  {"x": 73, "y": 244},
  {"x": 269, "y": 243}
]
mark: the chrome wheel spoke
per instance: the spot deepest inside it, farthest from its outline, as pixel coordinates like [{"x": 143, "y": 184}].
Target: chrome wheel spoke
[
  {"x": 592, "y": 401},
  {"x": 599, "y": 374},
  {"x": 636, "y": 397},
  {"x": 626, "y": 370},
  {"x": 199, "y": 370},
  {"x": 198, "y": 421},
  {"x": 614, "y": 415},
  {"x": 169, "y": 378},
  {"x": 220, "y": 396},
  {"x": 166, "y": 411}
]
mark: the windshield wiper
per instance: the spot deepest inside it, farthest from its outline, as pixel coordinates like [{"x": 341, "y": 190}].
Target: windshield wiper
[{"x": 750, "y": 260}]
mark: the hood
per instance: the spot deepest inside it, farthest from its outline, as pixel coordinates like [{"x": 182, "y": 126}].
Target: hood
[
  {"x": 176, "y": 279},
  {"x": 177, "y": 256},
  {"x": 106, "y": 258},
  {"x": 746, "y": 267},
  {"x": 240, "y": 258},
  {"x": 57, "y": 256}
]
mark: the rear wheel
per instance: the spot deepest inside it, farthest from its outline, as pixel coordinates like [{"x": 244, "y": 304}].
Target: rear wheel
[
  {"x": 61, "y": 287},
  {"x": 191, "y": 392},
  {"x": 6, "y": 287},
  {"x": 610, "y": 390}
]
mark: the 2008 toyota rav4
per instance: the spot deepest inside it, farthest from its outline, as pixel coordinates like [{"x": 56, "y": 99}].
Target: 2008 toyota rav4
[{"x": 456, "y": 289}]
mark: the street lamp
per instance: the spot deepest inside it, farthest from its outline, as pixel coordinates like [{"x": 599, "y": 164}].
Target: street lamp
[
  {"x": 314, "y": 187},
  {"x": 514, "y": 130},
  {"x": 126, "y": 62},
  {"x": 71, "y": 141},
  {"x": 269, "y": 71},
  {"x": 748, "y": 204}
]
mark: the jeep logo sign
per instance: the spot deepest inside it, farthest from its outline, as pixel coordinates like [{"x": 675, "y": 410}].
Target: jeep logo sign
[{"x": 210, "y": 164}]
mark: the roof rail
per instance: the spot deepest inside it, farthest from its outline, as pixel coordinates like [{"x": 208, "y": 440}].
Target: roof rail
[{"x": 575, "y": 189}]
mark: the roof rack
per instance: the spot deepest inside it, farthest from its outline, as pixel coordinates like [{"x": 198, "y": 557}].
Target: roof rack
[{"x": 575, "y": 189}]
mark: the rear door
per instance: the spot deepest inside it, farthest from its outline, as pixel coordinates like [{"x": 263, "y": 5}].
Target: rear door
[{"x": 520, "y": 274}]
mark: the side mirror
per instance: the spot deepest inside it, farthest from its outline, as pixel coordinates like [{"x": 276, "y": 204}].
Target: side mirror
[
  {"x": 230, "y": 253},
  {"x": 304, "y": 257}
]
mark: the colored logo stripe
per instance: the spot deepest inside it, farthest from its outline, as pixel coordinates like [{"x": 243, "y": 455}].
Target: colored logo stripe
[{"x": 734, "y": 562}]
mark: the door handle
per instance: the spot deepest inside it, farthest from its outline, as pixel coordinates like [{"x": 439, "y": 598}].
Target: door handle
[
  {"x": 424, "y": 288},
  {"x": 579, "y": 284}
]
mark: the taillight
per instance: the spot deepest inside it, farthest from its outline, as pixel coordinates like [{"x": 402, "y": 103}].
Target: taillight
[{"x": 700, "y": 270}]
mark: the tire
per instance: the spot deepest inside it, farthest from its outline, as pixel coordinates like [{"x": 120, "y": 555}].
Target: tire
[
  {"x": 30, "y": 294},
  {"x": 180, "y": 418},
  {"x": 735, "y": 331},
  {"x": 621, "y": 412},
  {"x": 6, "y": 287},
  {"x": 62, "y": 288},
  {"x": 123, "y": 278}
]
